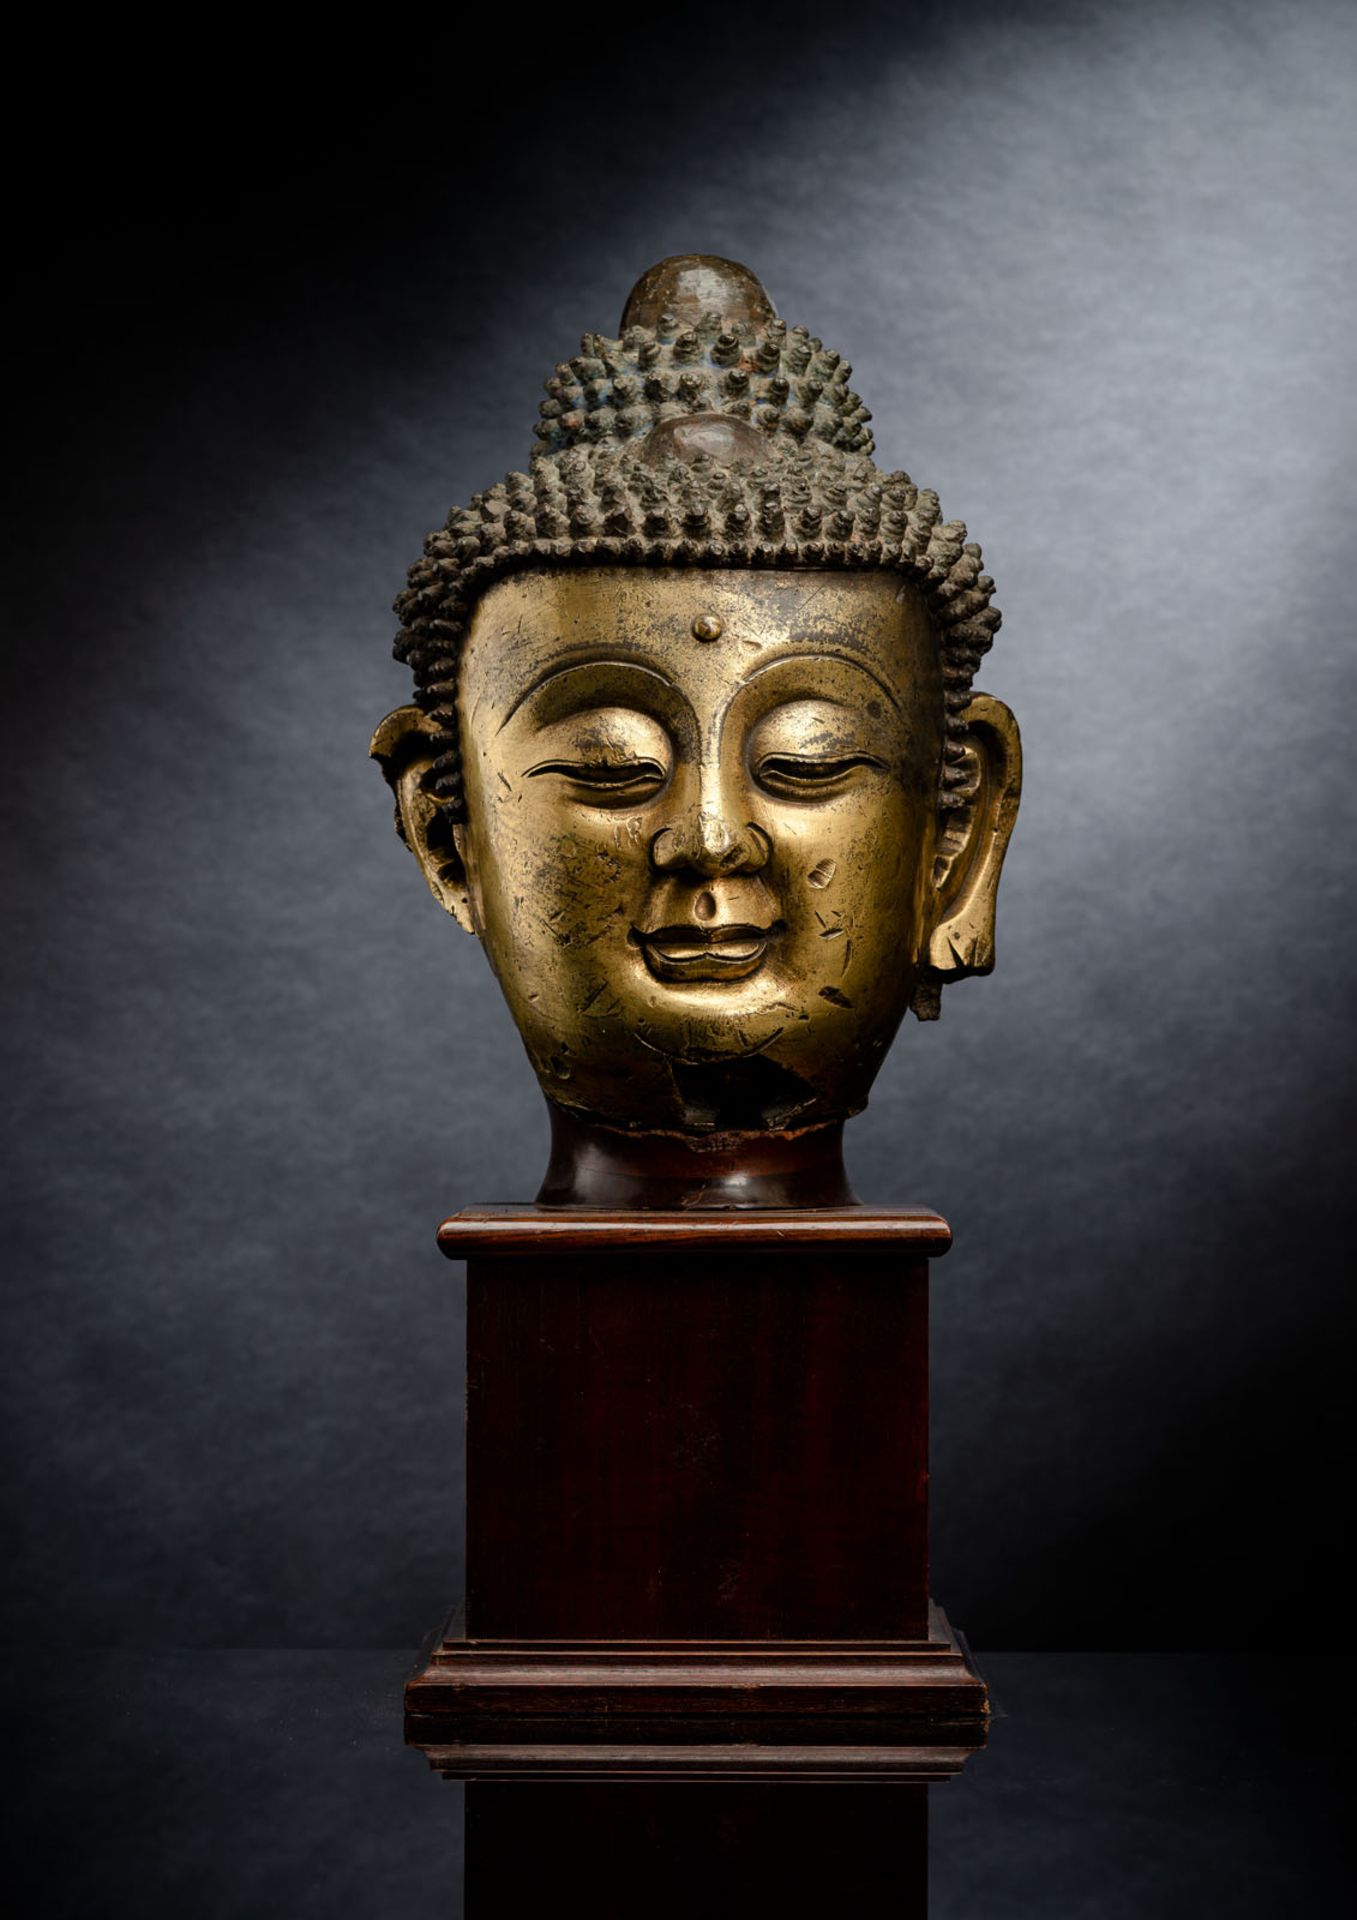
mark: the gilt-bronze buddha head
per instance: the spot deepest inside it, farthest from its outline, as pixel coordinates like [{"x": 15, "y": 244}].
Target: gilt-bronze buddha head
[{"x": 696, "y": 752}]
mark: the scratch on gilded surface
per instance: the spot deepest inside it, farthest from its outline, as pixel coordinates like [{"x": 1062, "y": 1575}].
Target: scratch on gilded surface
[{"x": 811, "y": 598}]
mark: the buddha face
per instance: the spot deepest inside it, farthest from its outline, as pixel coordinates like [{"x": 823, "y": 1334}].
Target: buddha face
[{"x": 701, "y": 841}]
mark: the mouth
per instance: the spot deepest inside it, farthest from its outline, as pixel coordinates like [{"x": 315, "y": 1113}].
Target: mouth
[{"x": 686, "y": 953}]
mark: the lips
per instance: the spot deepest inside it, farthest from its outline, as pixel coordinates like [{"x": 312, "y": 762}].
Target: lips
[{"x": 705, "y": 953}]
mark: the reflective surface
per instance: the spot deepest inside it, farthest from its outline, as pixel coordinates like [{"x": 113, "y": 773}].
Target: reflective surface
[
  {"x": 696, "y": 749},
  {"x": 225, "y": 1783},
  {"x": 703, "y": 846}
]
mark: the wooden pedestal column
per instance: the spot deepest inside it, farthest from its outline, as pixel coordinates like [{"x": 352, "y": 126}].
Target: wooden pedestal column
[
  {"x": 697, "y": 1468},
  {"x": 616, "y": 1852}
]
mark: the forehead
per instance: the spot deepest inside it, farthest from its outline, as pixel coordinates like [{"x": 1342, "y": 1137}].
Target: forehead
[{"x": 532, "y": 623}]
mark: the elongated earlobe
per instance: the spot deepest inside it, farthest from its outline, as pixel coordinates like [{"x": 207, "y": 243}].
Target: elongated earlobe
[
  {"x": 985, "y": 772},
  {"x": 404, "y": 746}
]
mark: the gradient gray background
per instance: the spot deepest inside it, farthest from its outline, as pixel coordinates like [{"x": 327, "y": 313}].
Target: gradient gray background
[{"x": 1094, "y": 267}]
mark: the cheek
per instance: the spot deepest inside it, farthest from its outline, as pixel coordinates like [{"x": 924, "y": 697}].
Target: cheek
[
  {"x": 851, "y": 861},
  {"x": 559, "y": 883},
  {"x": 851, "y": 893}
]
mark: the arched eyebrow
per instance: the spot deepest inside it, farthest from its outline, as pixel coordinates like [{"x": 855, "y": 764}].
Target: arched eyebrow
[
  {"x": 572, "y": 666},
  {"x": 847, "y": 660}
]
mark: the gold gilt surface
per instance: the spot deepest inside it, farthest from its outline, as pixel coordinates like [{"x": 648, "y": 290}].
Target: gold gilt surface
[{"x": 701, "y": 841}]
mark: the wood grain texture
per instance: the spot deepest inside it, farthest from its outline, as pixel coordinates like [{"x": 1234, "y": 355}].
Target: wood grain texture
[
  {"x": 563, "y": 1760},
  {"x": 697, "y": 1480},
  {"x": 744, "y": 1747},
  {"x": 546, "y": 1231},
  {"x": 662, "y": 1446},
  {"x": 695, "y": 1683}
]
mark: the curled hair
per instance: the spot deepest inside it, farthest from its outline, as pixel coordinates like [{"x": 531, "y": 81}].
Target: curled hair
[{"x": 609, "y": 485}]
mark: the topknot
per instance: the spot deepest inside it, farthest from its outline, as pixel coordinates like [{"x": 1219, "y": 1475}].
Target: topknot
[{"x": 711, "y": 434}]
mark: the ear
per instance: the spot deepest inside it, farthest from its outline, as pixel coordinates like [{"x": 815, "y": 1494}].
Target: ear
[
  {"x": 987, "y": 773},
  {"x": 405, "y": 746}
]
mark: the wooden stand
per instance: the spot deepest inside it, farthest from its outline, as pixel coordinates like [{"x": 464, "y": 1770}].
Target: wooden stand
[
  {"x": 697, "y": 1469},
  {"x": 611, "y": 1851}
]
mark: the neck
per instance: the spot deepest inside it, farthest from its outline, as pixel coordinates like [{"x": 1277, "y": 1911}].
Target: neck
[{"x": 596, "y": 1166}]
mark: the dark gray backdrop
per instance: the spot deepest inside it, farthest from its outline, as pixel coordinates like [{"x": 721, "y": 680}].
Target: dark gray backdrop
[{"x": 1094, "y": 267}]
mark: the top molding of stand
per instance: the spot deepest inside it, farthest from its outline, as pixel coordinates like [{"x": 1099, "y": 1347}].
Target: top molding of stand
[{"x": 509, "y": 1229}]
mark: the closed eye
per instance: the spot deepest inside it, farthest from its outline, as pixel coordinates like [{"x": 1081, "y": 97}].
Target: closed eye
[
  {"x": 624, "y": 778},
  {"x": 794, "y": 774}
]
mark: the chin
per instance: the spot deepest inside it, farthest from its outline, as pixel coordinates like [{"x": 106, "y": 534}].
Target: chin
[{"x": 711, "y": 1019}]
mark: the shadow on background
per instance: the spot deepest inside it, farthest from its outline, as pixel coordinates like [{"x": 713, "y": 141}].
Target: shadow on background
[{"x": 1094, "y": 270}]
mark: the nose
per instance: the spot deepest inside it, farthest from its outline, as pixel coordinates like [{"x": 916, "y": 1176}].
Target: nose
[{"x": 704, "y": 842}]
